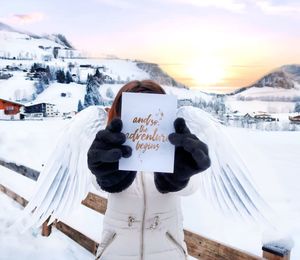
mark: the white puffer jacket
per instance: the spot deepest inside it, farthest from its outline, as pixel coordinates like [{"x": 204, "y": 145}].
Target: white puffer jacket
[{"x": 143, "y": 224}]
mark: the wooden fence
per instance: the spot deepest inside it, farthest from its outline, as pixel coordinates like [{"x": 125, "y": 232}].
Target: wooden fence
[{"x": 198, "y": 246}]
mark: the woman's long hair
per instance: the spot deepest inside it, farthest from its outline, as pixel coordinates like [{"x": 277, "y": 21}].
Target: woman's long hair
[{"x": 144, "y": 86}]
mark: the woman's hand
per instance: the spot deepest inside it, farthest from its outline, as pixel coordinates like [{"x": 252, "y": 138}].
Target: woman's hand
[
  {"x": 191, "y": 157},
  {"x": 104, "y": 155}
]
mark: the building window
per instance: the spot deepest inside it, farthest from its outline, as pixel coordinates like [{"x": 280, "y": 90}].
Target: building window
[{"x": 10, "y": 108}]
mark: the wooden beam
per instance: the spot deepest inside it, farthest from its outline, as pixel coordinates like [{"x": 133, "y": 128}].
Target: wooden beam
[
  {"x": 78, "y": 237},
  {"x": 203, "y": 248},
  {"x": 13, "y": 195},
  {"x": 95, "y": 202},
  {"x": 21, "y": 169}
]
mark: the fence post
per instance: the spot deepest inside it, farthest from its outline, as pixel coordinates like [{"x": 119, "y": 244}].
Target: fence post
[
  {"x": 274, "y": 251},
  {"x": 46, "y": 229}
]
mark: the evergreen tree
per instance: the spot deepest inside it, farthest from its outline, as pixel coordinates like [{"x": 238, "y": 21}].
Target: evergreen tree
[
  {"x": 297, "y": 107},
  {"x": 92, "y": 96},
  {"x": 39, "y": 86},
  {"x": 60, "y": 76},
  {"x": 69, "y": 78},
  {"x": 55, "y": 52},
  {"x": 110, "y": 93},
  {"x": 98, "y": 74},
  {"x": 80, "y": 106}
]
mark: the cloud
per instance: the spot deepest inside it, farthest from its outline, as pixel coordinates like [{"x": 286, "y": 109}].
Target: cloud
[
  {"x": 288, "y": 9},
  {"x": 23, "y": 19},
  {"x": 236, "y": 6}
]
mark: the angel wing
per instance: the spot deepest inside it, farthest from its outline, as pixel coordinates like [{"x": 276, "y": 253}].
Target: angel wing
[
  {"x": 227, "y": 183},
  {"x": 65, "y": 181}
]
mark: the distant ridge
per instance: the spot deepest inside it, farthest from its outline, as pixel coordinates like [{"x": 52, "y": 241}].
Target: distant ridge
[{"x": 283, "y": 77}]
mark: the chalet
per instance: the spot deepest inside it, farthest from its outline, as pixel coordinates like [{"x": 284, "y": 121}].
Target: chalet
[
  {"x": 184, "y": 102},
  {"x": 40, "y": 110},
  {"x": 248, "y": 116},
  {"x": 295, "y": 119},
  {"x": 69, "y": 115},
  {"x": 10, "y": 109},
  {"x": 85, "y": 66},
  {"x": 236, "y": 115},
  {"x": 264, "y": 116}
]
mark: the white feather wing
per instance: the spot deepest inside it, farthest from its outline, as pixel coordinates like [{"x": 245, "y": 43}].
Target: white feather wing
[
  {"x": 227, "y": 183},
  {"x": 65, "y": 179}
]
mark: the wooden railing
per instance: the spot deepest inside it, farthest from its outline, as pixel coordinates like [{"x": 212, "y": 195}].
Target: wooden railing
[{"x": 198, "y": 246}]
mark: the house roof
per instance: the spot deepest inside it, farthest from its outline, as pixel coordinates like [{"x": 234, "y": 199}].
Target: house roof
[
  {"x": 33, "y": 103},
  {"x": 13, "y": 102},
  {"x": 296, "y": 117}
]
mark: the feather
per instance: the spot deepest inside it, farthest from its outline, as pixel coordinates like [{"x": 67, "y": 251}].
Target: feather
[
  {"x": 227, "y": 183},
  {"x": 65, "y": 180}
]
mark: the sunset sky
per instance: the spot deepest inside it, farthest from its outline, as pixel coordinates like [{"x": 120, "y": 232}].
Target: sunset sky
[{"x": 213, "y": 45}]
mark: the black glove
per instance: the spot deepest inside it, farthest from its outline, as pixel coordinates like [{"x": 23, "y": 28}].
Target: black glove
[
  {"x": 191, "y": 157},
  {"x": 104, "y": 155}
]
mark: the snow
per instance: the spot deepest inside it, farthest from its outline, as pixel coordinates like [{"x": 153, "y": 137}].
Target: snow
[
  {"x": 17, "y": 44},
  {"x": 117, "y": 68},
  {"x": 16, "y": 87},
  {"x": 29, "y": 142},
  {"x": 74, "y": 92},
  {"x": 31, "y": 245},
  {"x": 277, "y": 152},
  {"x": 256, "y": 106},
  {"x": 270, "y": 100}
]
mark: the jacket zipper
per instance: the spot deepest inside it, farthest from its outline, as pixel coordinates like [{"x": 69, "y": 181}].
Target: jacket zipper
[
  {"x": 106, "y": 246},
  {"x": 144, "y": 214},
  {"x": 177, "y": 244}
]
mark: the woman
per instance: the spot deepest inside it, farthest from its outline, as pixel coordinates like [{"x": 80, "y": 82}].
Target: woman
[{"x": 143, "y": 220}]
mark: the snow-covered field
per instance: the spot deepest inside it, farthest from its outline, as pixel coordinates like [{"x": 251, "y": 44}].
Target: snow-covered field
[
  {"x": 276, "y": 152},
  {"x": 267, "y": 99},
  {"x": 31, "y": 245},
  {"x": 16, "y": 87},
  {"x": 29, "y": 142},
  {"x": 73, "y": 93},
  {"x": 275, "y": 107}
]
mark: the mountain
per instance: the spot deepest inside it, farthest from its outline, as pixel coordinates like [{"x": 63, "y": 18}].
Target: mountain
[
  {"x": 276, "y": 92},
  {"x": 60, "y": 39},
  {"x": 5, "y": 27},
  {"x": 16, "y": 44},
  {"x": 285, "y": 77},
  {"x": 158, "y": 75}
]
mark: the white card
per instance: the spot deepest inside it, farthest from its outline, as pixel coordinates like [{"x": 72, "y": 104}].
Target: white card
[{"x": 147, "y": 121}]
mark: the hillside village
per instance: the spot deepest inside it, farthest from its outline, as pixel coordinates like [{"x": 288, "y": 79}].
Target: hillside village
[{"x": 54, "y": 80}]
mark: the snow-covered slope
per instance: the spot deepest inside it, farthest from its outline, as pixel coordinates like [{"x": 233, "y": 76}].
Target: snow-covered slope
[
  {"x": 15, "y": 44},
  {"x": 64, "y": 96},
  {"x": 277, "y": 92},
  {"x": 16, "y": 87}
]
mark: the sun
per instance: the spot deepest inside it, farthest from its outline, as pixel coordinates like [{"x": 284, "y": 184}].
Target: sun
[{"x": 206, "y": 71}]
